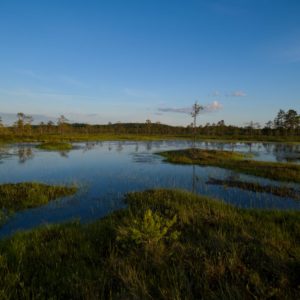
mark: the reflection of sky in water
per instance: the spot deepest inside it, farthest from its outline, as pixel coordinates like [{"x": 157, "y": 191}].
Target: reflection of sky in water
[{"x": 104, "y": 171}]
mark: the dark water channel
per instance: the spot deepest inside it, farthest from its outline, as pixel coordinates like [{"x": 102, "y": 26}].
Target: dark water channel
[{"x": 104, "y": 171}]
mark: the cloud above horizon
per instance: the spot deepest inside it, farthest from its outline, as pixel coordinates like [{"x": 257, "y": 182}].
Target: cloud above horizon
[
  {"x": 214, "y": 106},
  {"x": 237, "y": 94}
]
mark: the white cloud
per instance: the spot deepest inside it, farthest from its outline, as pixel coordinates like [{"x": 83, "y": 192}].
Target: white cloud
[
  {"x": 214, "y": 106},
  {"x": 184, "y": 110},
  {"x": 237, "y": 94},
  {"x": 216, "y": 94}
]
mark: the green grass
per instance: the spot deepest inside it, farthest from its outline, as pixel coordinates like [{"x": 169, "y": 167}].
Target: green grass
[
  {"x": 19, "y": 196},
  {"x": 77, "y": 137},
  {"x": 281, "y": 191},
  {"x": 55, "y": 146},
  {"x": 235, "y": 161},
  {"x": 166, "y": 245}
]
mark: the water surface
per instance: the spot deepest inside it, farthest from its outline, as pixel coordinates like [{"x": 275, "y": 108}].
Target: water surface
[{"x": 105, "y": 171}]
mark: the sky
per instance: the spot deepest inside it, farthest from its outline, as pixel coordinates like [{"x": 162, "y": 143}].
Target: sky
[{"x": 128, "y": 61}]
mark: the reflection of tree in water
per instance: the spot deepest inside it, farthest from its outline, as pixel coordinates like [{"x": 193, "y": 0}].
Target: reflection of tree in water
[
  {"x": 149, "y": 146},
  {"x": 137, "y": 147},
  {"x": 195, "y": 179},
  {"x": 212, "y": 145},
  {"x": 64, "y": 154},
  {"x": 220, "y": 146},
  {"x": 109, "y": 147},
  {"x": 249, "y": 144},
  {"x": 233, "y": 176},
  {"x": 286, "y": 152},
  {"x": 268, "y": 147},
  {"x": 89, "y": 146},
  {"x": 232, "y": 146},
  {"x": 25, "y": 153},
  {"x": 119, "y": 147},
  {"x": 3, "y": 154}
]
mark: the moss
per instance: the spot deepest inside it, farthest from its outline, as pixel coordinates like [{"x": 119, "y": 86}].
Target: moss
[
  {"x": 55, "y": 146},
  {"x": 235, "y": 161},
  {"x": 166, "y": 245},
  {"x": 281, "y": 191}
]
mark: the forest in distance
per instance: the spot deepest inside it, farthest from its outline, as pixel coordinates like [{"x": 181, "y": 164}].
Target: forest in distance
[{"x": 286, "y": 125}]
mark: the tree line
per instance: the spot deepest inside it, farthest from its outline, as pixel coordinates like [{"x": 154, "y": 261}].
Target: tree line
[{"x": 285, "y": 123}]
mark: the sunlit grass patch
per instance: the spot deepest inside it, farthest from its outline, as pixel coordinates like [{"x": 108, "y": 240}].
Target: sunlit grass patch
[{"x": 234, "y": 161}]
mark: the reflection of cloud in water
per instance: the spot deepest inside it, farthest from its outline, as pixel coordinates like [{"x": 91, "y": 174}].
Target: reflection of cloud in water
[
  {"x": 89, "y": 146},
  {"x": 4, "y": 154}
]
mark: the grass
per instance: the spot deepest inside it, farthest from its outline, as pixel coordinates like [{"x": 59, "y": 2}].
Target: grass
[
  {"x": 55, "y": 146},
  {"x": 77, "y": 137},
  {"x": 281, "y": 191},
  {"x": 19, "y": 196},
  {"x": 235, "y": 161},
  {"x": 167, "y": 244}
]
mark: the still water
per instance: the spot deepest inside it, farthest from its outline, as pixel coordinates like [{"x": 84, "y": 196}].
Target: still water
[{"x": 105, "y": 171}]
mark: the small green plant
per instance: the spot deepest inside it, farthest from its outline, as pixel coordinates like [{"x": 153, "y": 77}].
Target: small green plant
[{"x": 148, "y": 230}]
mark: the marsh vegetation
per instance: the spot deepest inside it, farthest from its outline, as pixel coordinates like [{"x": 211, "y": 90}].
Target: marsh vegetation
[
  {"x": 55, "y": 146},
  {"x": 234, "y": 161},
  {"x": 19, "y": 196},
  {"x": 157, "y": 244},
  {"x": 166, "y": 245},
  {"x": 281, "y": 191}
]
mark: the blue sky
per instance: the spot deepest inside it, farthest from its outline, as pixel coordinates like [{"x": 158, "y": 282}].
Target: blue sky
[{"x": 100, "y": 61}]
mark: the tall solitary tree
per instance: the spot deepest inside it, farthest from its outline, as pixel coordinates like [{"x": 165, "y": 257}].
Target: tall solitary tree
[
  {"x": 19, "y": 124},
  {"x": 148, "y": 126},
  {"x": 27, "y": 123},
  {"x": 62, "y": 123},
  {"x": 196, "y": 108},
  {"x": 1, "y": 125}
]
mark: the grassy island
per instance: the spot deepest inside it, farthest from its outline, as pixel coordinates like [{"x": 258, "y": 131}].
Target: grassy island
[
  {"x": 281, "y": 191},
  {"x": 19, "y": 196},
  {"x": 55, "y": 146},
  {"x": 235, "y": 161},
  {"x": 167, "y": 244}
]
